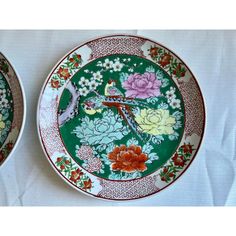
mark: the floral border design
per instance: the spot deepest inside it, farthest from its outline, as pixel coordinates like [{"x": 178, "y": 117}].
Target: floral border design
[
  {"x": 177, "y": 163},
  {"x": 66, "y": 70},
  {"x": 164, "y": 58},
  {"x": 73, "y": 173},
  {"x": 5, "y": 151},
  {"x": 4, "y": 67}
]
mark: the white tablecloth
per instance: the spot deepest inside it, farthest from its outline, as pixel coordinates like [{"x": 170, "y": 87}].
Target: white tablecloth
[{"x": 27, "y": 178}]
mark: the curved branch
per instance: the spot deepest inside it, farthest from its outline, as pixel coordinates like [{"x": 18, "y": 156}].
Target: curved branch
[{"x": 72, "y": 109}]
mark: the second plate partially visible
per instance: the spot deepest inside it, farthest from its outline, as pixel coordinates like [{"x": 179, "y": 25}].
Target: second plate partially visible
[{"x": 12, "y": 109}]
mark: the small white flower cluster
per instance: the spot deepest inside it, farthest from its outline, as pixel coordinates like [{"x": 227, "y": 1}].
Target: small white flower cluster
[
  {"x": 128, "y": 59},
  {"x": 90, "y": 85},
  {"x": 2, "y": 92},
  {"x": 135, "y": 65},
  {"x": 171, "y": 97},
  {"x": 3, "y": 99},
  {"x": 115, "y": 65}
]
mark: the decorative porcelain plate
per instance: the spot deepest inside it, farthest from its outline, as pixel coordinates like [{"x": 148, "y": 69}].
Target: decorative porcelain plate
[
  {"x": 121, "y": 117},
  {"x": 12, "y": 109}
]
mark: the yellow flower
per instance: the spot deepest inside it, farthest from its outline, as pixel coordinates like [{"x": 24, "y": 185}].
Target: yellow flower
[
  {"x": 156, "y": 122},
  {"x": 2, "y": 124}
]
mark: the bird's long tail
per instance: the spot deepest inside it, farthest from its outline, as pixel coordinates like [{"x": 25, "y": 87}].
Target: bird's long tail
[
  {"x": 128, "y": 116},
  {"x": 125, "y": 101}
]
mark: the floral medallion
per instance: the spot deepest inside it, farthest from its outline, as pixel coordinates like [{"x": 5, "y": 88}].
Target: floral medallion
[
  {"x": 11, "y": 109},
  {"x": 114, "y": 117}
]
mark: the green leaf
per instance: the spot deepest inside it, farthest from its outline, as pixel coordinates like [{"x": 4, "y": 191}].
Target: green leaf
[
  {"x": 157, "y": 139},
  {"x": 123, "y": 77},
  {"x": 153, "y": 156},
  {"x": 147, "y": 148},
  {"x": 148, "y": 162},
  {"x": 133, "y": 141},
  {"x": 173, "y": 136}
]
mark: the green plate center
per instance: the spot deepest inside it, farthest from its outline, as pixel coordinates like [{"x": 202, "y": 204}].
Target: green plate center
[{"x": 121, "y": 117}]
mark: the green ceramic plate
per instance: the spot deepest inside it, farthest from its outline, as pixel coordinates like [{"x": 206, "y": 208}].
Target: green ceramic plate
[
  {"x": 121, "y": 117},
  {"x": 12, "y": 109}
]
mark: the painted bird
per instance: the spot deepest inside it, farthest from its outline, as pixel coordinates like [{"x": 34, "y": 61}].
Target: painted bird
[
  {"x": 111, "y": 89},
  {"x": 115, "y": 99}
]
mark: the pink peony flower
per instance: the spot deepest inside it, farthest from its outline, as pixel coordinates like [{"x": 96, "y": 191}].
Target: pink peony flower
[{"x": 142, "y": 86}]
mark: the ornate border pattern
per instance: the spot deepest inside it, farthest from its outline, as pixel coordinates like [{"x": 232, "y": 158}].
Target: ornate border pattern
[
  {"x": 104, "y": 46},
  {"x": 193, "y": 107},
  {"x": 119, "y": 191}
]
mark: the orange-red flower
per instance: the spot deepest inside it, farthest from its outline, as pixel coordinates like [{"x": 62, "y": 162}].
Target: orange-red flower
[
  {"x": 179, "y": 71},
  {"x": 67, "y": 162},
  {"x": 178, "y": 160},
  {"x": 165, "y": 170},
  {"x": 154, "y": 51},
  {"x": 59, "y": 159},
  {"x": 9, "y": 146},
  {"x": 171, "y": 174},
  {"x": 87, "y": 184},
  {"x": 187, "y": 148},
  {"x": 1, "y": 156},
  {"x": 4, "y": 66},
  {"x": 75, "y": 175},
  {"x": 55, "y": 83},
  {"x": 128, "y": 159},
  {"x": 163, "y": 178},
  {"x": 64, "y": 73},
  {"x": 165, "y": 60},
  {"x": 167, "y": 174}
]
